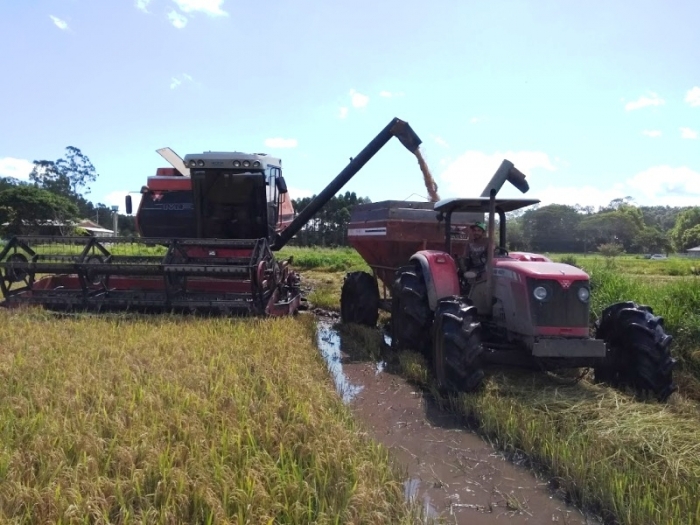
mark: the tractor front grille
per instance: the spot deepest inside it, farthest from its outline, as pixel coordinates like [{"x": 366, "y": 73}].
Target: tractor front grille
[{"x": 562, "y": 308}]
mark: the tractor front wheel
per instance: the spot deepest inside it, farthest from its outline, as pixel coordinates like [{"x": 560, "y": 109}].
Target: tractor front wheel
[
  {"x": 359, "y": 299},
  {"x": 457, "y": 346},
  {"x": 411, "y": 316},
  {"x": 638, "y": 350}
]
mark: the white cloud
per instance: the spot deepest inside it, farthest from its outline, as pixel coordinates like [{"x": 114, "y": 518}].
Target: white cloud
[
  {"x": 687, "y": 133},
  {"x": 210, "y": 7},
  {"x": 652, "y": 100},
  {"x": 177, "y": 19},
  {"x": 440, "y": 141},
  {"x": 61, "y": 24},
  {"x": 475, "y": 120},
  {"x": 358, "y": 100},
  {"x": 666, "y": 185},
  {"x": 281, "y": 143},
  {"x": 176, "y": 82},
  {"x": 118, "y": 198},
  {"x": 142, "y": 5},
  {"x": 693, "y": 96},
  {"x": 469, "y": 173},
  {"x": 17, "y": 168},
  {"x": 651, "y": 133},
  {"x": 299, "y": 193},
  {"x": 342, "y": 112},
  {"x": 390, "y": 94},
  {"x": 581, "y": 195},
  {"x": 655, "y": 186}
]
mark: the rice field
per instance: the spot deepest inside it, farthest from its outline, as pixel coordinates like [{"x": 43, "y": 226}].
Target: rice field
[
  {"x": 127, "y": 419},
  {"x": 167, "y": 419}
]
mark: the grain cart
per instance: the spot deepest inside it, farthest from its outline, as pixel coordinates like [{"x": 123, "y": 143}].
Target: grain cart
[
  {"x": 209, "y": 227},
  {"x": 524, "y": 310}
]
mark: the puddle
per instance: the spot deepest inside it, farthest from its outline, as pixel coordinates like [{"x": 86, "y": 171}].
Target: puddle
[
  {"x": 329, "y": 344},
  {"x": 450, "y": 471}
]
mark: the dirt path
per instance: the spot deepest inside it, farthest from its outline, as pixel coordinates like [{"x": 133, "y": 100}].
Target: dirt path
[{"x": 452, "y": 472}]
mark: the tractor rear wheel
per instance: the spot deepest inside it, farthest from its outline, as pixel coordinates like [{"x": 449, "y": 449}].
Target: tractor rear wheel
[
  {"x": 359, "y": 299},
  {"x": 638, "y": 350},
  {"x": 457, "y": 348},
  {"x": 411, "y": 316}
]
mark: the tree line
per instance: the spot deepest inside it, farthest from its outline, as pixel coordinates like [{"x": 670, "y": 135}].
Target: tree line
[
  {"x": 56, "y": 194},
  {"x": 620, "y": 223},
  {"x": 54, "y": 198}
]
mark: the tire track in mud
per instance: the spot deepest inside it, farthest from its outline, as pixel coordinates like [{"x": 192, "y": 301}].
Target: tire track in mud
[{"x": 452, "y": 473}]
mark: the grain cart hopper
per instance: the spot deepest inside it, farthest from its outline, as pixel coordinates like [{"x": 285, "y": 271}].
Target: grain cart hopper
[
  {"x": 209, "y": 227},
  {"x": 522, "y": 310}
]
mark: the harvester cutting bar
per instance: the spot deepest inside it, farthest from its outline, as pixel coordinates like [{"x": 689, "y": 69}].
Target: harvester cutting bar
[{"x": 122, "y": 273}]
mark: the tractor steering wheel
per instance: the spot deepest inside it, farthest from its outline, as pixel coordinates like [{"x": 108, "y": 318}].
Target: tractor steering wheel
[{"x": 497, "y": 252}]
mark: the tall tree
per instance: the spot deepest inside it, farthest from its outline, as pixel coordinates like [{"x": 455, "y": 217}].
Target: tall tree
[
  {"x": 685, "y": 221},
  {"x": 26, "y": 208},
  {"x": 69, "y": 176},
  {"x": 552, "y": 228}
]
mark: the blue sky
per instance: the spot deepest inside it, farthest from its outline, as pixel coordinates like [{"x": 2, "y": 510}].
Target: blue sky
[{"x": 592, "y": 100}]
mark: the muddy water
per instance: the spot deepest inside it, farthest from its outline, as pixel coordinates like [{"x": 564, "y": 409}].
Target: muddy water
[
  {"x": 430, "y": 183},
  {"x": 451, "y": 472}
]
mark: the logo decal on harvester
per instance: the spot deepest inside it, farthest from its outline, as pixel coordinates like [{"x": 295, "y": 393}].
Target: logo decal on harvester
[{"x": 565, "y": 284}]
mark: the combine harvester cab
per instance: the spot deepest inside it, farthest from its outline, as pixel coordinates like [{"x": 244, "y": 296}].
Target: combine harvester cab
[{"x": 209, "y": 227}]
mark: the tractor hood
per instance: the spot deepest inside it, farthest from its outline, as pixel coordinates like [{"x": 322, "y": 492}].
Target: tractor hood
[{"x": 543, "y": 270}]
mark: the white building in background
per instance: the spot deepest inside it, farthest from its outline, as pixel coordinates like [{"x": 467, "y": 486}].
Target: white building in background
[{"x": 693, "y": 252}]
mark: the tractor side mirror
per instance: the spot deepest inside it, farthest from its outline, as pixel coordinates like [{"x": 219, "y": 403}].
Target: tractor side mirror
[
  {"x": 129, "y": 209},
  {"x": 281, "y": 185}
]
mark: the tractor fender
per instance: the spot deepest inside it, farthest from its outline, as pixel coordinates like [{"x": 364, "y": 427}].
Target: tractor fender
[{"x": 440, "y": 274}]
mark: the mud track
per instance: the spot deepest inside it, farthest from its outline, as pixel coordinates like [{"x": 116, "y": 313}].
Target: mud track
[{"x": 452, "y": 473}]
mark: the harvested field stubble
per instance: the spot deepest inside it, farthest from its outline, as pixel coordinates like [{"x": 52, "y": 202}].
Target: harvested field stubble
[{"x": 171, "y": 420}]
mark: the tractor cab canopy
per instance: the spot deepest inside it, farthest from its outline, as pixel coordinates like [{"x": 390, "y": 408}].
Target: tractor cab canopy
[
  {"x": 481, "y": 205},
  {"x": 447, "y": 207}
]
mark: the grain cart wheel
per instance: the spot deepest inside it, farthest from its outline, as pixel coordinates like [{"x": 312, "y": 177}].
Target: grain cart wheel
[
  {"x": 411, "y": 317},
  {"x": 638, "y": 350},
  {"x": 457, "y": 346},
  {"x": 359, "y": 299}
]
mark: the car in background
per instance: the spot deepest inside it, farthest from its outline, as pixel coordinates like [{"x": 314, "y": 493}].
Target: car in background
[{"x": 658, "y": 257}]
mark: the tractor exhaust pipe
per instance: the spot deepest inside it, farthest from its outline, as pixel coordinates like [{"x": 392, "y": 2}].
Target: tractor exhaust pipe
[
  {"x": 506, "y": 172},
  {"x": 396, "y": 128},
  {"x": 490, "y": 281}
]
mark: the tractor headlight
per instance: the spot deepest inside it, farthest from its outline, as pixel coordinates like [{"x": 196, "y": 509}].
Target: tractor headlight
[
  {"x": 193, "y": 163},
  {"x": 256, "y": 164},
  {"x": 200, "y": 163},
  {"x": 246, "y": 163},
  {"x": 540, "y": 293},
  {"x": 583, "y": 294},
  {"x": 236, "y": 163}
]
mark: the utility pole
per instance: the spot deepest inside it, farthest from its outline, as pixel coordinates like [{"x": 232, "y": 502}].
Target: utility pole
[{"x": 115, "y": 221}]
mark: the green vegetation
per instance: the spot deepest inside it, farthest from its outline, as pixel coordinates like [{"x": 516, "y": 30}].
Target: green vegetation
[
  {"x": 180, "y": 420},
  {"x": 324, "y": 259}
]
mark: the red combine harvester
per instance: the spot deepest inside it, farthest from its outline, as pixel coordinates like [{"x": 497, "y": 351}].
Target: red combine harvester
[
  {"x": 209, "y": 227},
  {"x": 517, "y": 309}
]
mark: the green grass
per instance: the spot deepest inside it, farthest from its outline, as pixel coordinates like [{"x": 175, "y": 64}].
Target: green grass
[
  {"x": 324, "y": 259},
  {"x": 674, "y": 266},
  {"x": 180, "y": 420}
]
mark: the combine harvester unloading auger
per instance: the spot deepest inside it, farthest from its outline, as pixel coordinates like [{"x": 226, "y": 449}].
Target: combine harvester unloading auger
[{"x": 209, "y": 228}]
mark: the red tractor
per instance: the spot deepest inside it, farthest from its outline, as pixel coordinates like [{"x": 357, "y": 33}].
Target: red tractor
[{"x": 520, "y": 309}]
